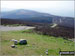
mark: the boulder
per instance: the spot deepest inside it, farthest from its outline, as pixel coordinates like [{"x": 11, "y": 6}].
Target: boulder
[
  {"x": 15, "y": 42},
  {"x": 13, "y": 46},
  {"x": 23, "y": 42}
]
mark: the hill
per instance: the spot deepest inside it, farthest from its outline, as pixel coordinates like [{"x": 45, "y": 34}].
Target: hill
[{"x": 38, "y": 17}]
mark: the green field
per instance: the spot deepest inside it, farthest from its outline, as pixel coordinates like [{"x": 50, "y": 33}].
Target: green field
[{"x": 37, "y": 44}]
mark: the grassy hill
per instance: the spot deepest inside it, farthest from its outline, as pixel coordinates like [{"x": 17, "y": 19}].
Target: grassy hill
[{"x": 37, "y": 44}]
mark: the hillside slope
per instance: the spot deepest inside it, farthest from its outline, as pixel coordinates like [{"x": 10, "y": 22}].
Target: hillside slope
[
  {"x": 37, "y": 44},
  {"x": 38, "y": 17}
]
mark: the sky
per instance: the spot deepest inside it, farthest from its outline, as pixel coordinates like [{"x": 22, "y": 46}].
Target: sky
[{"x": 61, "y": 8}]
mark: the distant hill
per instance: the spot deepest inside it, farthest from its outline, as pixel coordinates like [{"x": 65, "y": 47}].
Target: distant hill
[
  {"x": 64, "y": 21},
  {"x": 37, "y": 17}
]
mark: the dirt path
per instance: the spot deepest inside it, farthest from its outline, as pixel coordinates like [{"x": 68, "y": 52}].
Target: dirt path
[{"x": 8, "y": 28}]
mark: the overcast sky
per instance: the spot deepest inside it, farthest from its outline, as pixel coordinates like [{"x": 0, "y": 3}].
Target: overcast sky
[{"x": 62, "y": 8}]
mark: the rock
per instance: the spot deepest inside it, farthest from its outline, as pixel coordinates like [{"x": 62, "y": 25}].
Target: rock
[
  {"x": 15, "y": 42},
  {"x": 46, "y": 52},
  {"x": 13, "y": 46},
  {"x": 23, "y": 42}
]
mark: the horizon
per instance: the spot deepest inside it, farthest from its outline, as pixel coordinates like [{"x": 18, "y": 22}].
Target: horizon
[{"x": 60, "y": 8}]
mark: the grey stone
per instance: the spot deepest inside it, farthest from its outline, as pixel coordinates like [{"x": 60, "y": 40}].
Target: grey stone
[
  {"x": 46, "y": 52},
  {"x": 23, "y": 42},
  {"x": 13, "y": 46},
  {"x": 15, "y": 42}
]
